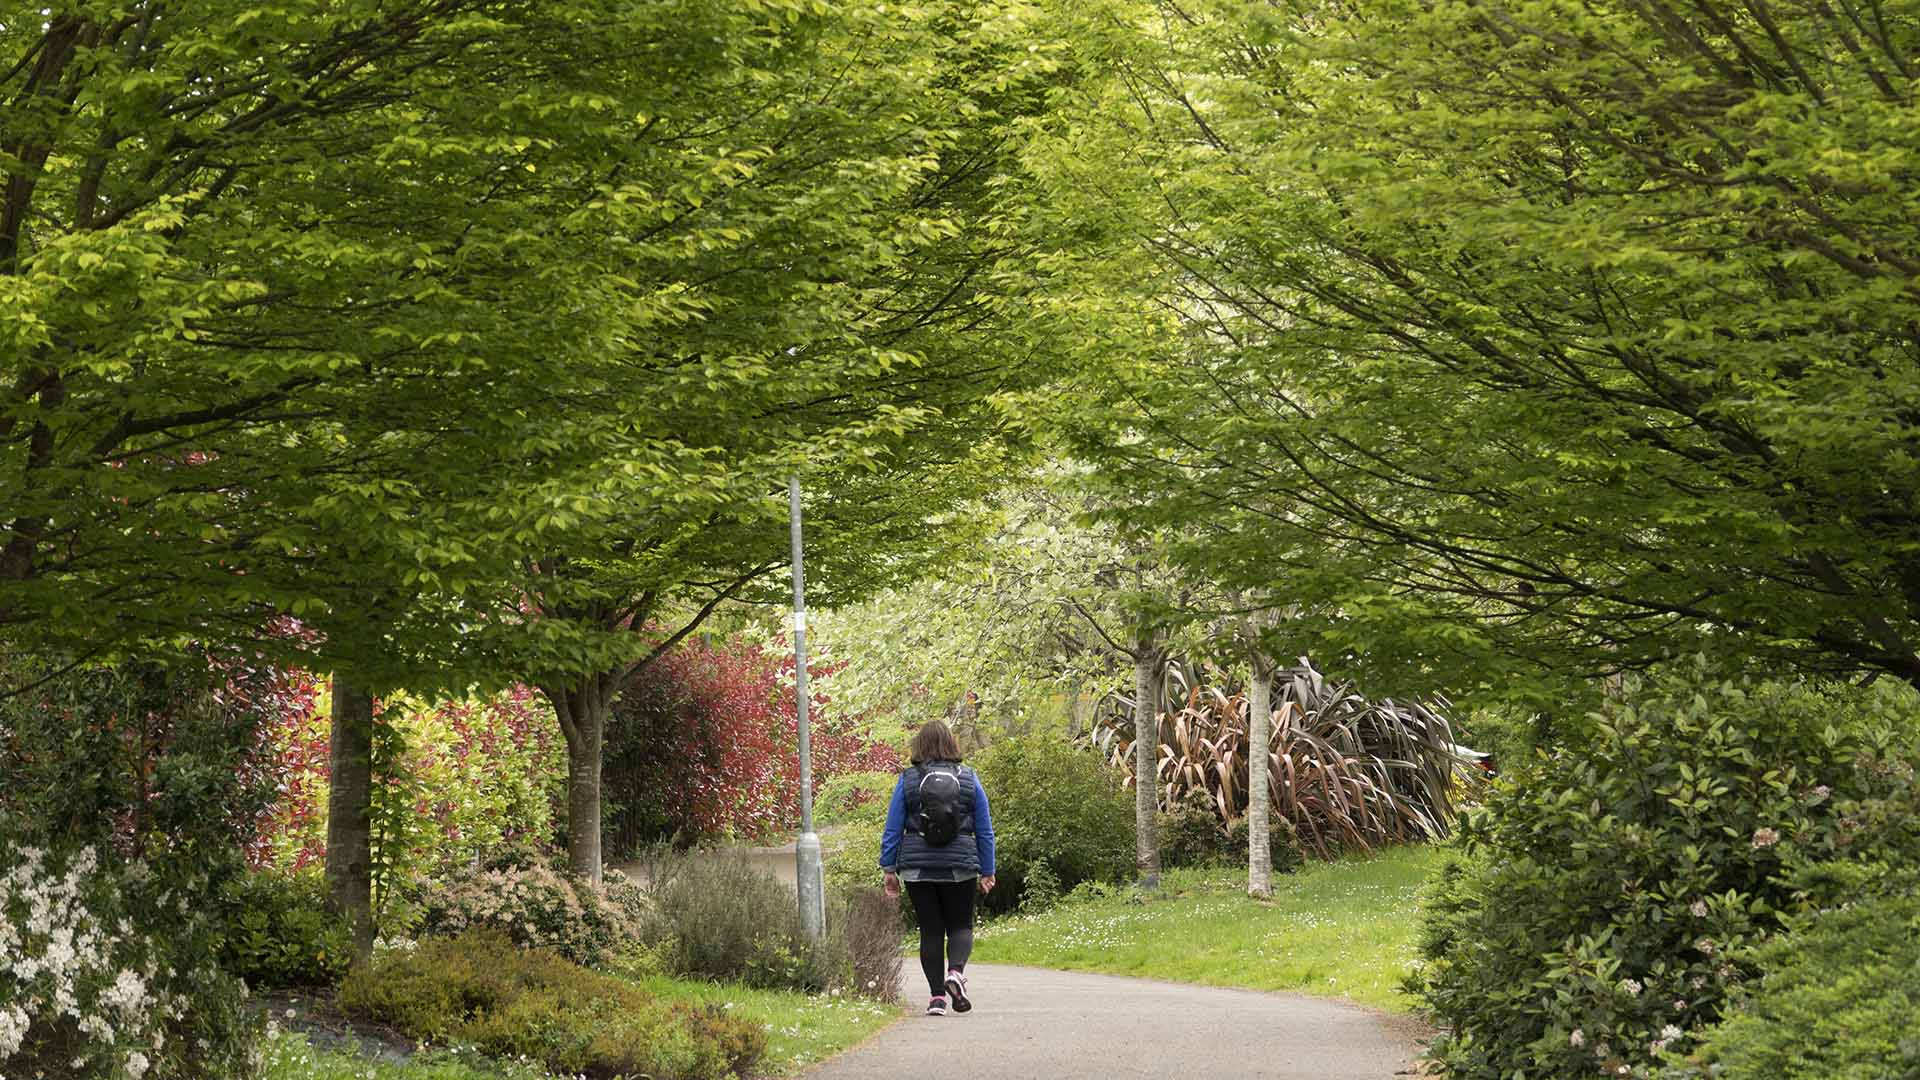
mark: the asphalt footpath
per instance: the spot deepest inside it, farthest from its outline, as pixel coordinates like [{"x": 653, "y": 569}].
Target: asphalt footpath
[{"x": 1031, "y": 1022}]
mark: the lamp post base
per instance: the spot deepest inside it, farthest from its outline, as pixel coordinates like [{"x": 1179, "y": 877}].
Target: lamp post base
[{"x": 810, "y": 881}]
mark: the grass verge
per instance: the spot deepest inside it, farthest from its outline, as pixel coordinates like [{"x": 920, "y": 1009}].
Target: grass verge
[
  {"x": 1337, "y": 929},
  {"x": 801, "y": 1028},
  {"x": 288, "y": 1056}
]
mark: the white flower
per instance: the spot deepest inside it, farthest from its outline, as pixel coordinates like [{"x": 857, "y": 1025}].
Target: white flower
[
  {"x": 1699, "y": 909},
  {"x": 1577, "y": 1038},
  {"x": 1670, "y": 1032},
  {"x": 13, "y": 1029},
  {"x": 1765, "y": 838},
  {"x": 136, "y": 1064},
  {"x": 1631, "y": 986}
]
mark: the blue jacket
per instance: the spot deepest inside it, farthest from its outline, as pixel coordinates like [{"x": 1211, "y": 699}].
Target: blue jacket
[{"x": 957, "y": 855}]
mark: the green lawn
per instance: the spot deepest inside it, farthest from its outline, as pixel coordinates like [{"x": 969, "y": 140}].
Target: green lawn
[{"x": 1340, "y": 929}]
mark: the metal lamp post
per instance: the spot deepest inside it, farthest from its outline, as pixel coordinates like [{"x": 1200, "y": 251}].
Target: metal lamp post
[{"x": 809, "y": 878}]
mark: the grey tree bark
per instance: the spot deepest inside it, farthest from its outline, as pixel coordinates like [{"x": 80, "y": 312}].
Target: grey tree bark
[
  {"x": 1146, "y": 759},
  {"x": 582, "y": 708},
  {"x": 1260, "y": 779},
  {"x": 349, "y": 871}
]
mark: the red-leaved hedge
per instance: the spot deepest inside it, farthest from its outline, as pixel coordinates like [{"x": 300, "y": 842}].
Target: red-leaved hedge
[{"x": 704, "y": 742}]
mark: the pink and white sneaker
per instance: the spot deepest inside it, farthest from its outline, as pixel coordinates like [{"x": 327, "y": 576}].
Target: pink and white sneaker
[
  {"x": 957, "y": 990},
  {"x": 937, "y": 1007}
]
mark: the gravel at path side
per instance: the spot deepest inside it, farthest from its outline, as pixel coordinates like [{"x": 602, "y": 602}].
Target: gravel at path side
[{"x": 1035, "y": 1023}]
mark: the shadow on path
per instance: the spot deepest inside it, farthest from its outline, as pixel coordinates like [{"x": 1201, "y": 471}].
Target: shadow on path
[{"x": 1030, "y": 1022}]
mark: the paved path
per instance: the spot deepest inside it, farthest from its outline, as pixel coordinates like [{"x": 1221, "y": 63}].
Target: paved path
[{"x": 1033, "y": 1023}]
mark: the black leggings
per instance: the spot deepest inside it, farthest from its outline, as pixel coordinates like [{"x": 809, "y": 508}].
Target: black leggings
[{"x": 945, "y": 911}]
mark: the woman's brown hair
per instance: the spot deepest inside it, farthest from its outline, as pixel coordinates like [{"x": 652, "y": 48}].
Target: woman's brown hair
[{"x": 933, "y": 742}]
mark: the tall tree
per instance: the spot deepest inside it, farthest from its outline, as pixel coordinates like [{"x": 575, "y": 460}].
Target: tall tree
[{"x": 851, "y": 322}]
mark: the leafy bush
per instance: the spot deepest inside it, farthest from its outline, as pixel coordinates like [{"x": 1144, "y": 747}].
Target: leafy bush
[
  {"x": 159, "y": 761},
  {"x": 1607, "y": 893},
  {"x": 855, "y": 797},
  {"x": 509, "y": 1002},
  {"x": 1838, "y": 1002},
  {"x": 1283, "y": 848},
  {"x": 1057, "y": 804},
  {"x": 703, "y": 743},
  {"x": 538, "y": 907},
  {"x": 109, "y": 973},
  {"x": 1345, "y": 772},
  {"x": 719, "y": 917},
  {"x": 281, "y": 933},
  {"x": 1505, "y": 733},
  {"x": 1190, "y": 833},
  {"x": 1041, "y": 888},
  {"x": 852, "y": 858}
]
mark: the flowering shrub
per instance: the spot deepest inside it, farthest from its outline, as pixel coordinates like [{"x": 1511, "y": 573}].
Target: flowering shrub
[
  {"x": 704, "y": 742},
  {"x": 454, "y": 782},
  {"x": 537, "y": 907},
  {"x": 1838, "y": 1002},
  {"x": 101, "y": 978},
  {"x": 482, "y": 990},
  {"x": 1610, "y": 892}
]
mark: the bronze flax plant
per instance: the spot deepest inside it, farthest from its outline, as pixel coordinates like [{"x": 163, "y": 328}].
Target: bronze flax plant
[{"x": 1346, "y": 773}]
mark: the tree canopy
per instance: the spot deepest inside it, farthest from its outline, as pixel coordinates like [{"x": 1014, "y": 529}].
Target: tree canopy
[{"x": 1550, "y": 336}]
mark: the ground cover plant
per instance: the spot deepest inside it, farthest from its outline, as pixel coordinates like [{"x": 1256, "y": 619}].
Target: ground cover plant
[
  {"x": 1611, "y": 894},
  {"x": 482, "y": 990},
  {"x": 289, "y": 1056},
  {"x": 1343, "y": 928},
  {"x": 280, "y": 931}
]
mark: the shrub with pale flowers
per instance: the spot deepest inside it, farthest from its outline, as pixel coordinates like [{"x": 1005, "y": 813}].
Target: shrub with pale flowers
[
  {"x": 101, "y": 978},
  {"x": 538, "y": 907}
]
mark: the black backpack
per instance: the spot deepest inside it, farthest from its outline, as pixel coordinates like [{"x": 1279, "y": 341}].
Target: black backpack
[{"x": 944, "y": 798}]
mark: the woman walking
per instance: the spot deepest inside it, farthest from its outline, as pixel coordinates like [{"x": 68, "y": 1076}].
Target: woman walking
[{"x": 939, "y": 840}]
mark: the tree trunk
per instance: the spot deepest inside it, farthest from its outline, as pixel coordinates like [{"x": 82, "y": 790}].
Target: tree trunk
[
  {"x": 1146, "y": 761},
  {"x": 582, "y": 709},
  {"x": 349, "y": 812},
  {"x": 1259, "y": 781}
]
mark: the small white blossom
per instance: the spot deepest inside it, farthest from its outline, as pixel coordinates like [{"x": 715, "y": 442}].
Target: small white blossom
[{"x": 1577, "y": 1038}]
